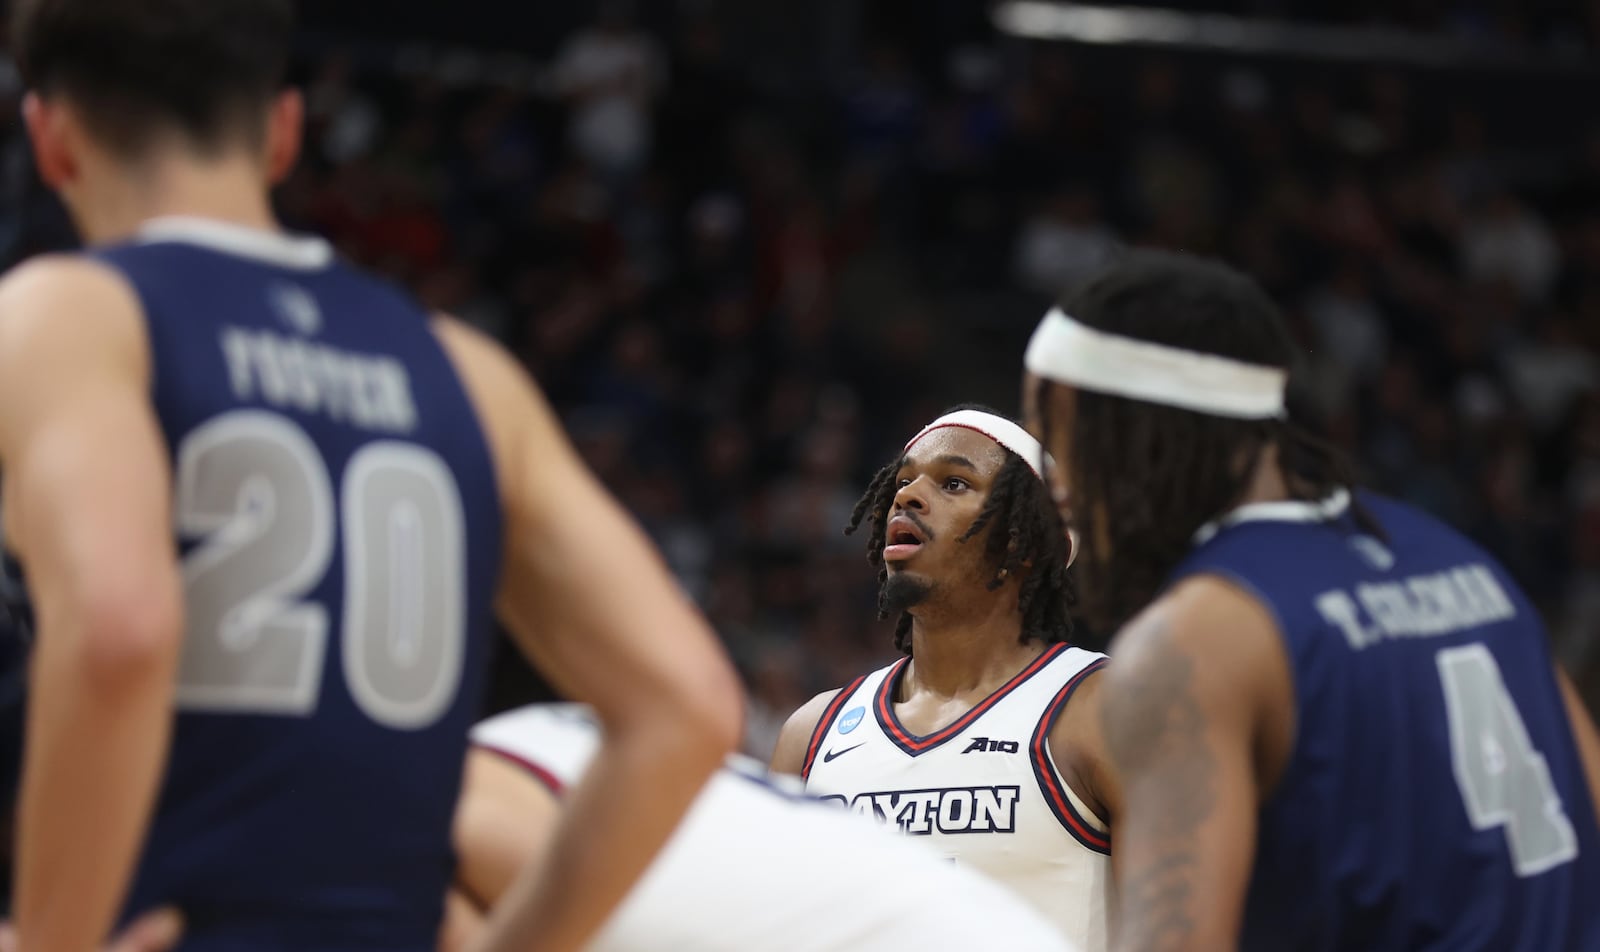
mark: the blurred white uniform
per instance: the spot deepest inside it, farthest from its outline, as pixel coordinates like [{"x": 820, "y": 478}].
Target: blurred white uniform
[{"x": 755, "y": 866}]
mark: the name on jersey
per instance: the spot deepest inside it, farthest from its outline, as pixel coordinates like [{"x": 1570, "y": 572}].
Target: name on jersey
[
  {"x": 1422, "y": 606},
  {"x": 940, "y": 810},
  {"x": 362, "y": 390}
]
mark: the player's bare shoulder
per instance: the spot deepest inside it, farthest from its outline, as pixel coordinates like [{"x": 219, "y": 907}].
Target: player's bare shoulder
[
  {"x": 790, "y": 755},
  {"x": 541, "y": 479},
  {"x": 69, "y": 299},
  {"x": 49, "y": 278},
  {"x": 67, "y": 324},
  {"x": 1211, "y": 617},
  {"x": 497, "y": 386}
]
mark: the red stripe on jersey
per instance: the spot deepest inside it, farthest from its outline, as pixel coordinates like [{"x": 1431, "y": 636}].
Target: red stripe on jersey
[
  {"x": 1049, "y": 782},
  {"x": 540, "y": 773},
  {"x": 829, "y": 715},
  {"x": 911, "y": 743}
]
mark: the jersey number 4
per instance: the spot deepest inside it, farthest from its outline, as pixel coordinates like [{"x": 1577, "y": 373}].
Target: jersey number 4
[
  {"x": 1504, "y": 781},
  {"x": 253, "y": 489}
]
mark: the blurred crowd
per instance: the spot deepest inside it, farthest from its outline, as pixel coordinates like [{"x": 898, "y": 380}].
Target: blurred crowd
[{"x": 744, "y": 293}]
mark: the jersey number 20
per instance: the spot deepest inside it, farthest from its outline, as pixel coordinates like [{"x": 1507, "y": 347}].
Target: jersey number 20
[
  {"x": 253, "y": 488},
  {"x": 1504, "y": 781}
]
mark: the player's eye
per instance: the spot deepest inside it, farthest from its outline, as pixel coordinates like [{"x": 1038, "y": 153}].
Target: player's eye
[
  {"x": 955, "y": 484},
  {"x": 902, "y": 483}
]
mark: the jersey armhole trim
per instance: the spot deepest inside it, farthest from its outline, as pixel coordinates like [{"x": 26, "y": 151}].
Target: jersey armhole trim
[
  {"x": 1063, "y": 803},
  {"x": 825, "y": 723},
  {"x": 546, "y": 779}
]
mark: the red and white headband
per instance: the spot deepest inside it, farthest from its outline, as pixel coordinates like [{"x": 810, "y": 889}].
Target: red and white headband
[
  {"x": 1068, "y": 352},
  {"x": 997, "y": 428}
]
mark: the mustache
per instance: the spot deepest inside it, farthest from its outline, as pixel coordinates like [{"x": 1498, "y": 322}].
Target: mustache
[{"x": 927, "y": 533}]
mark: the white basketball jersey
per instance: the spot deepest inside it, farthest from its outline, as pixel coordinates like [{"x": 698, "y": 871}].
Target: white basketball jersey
[
  {"x": 757, "y": 867},
  {"x": 984, "y": 790}
]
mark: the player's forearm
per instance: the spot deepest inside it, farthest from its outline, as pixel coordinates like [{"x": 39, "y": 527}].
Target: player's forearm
[
  {"x": 96, "y": 747},
  {"x": 615, "y": 821},
  {"x": 463, "y": 921}
]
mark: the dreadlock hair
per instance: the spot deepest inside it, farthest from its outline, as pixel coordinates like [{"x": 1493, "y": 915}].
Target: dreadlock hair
[
  {"x": 1025, "y": 537},
  {"x": 1146, "y": 477}
]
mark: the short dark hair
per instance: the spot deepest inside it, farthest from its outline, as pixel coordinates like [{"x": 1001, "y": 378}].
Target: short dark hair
[
  {"x": 1147, "y": 476},
  {"x": 1026, "y": 538},
  {"x": 141, "y": 69}
]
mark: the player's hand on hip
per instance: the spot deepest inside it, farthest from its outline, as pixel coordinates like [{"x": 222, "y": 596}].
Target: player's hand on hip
[{"x": 155, "y": 931}]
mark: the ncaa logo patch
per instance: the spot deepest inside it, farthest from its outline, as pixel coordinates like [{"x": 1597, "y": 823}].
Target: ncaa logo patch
[{"x": 851, "y": 719}]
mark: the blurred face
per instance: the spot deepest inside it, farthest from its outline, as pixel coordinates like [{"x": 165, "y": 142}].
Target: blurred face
[
  {"x": 943, "y": 484},
  {"x": 1037, "y": 394}
]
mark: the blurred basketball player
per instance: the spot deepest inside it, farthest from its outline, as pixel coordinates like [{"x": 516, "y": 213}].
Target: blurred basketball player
[
  {"x": 1334, "y": 721},
  {"x": 754, "y": 865},
  {"x": 251, "y": 483},
  {"x": 977, "y": 738}
]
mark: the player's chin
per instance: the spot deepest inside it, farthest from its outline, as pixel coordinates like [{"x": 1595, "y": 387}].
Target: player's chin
[{"x": 903, "y": 589}]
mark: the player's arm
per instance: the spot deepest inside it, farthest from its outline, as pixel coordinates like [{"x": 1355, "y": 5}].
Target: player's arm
[
  {"x": 1583, "y": 729},
  {"x": 1190, "y": 685},
  {"x": 789, "y": 757},
  {"x": 591, "y": 603},
  {"x": 503, "y": 819},
  {"x": 156, "y": 931},
  {"x": 463, "y": 921},
  {"x": 87, "y": 495}
]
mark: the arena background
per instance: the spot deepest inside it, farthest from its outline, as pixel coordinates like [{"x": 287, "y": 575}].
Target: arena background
[{"x": 748, "y": 248}]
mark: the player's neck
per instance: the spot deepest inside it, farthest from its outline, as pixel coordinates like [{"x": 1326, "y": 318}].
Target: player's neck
[
  {"x": 963, "y": 655},
  {"x": 1266, "y": 480},
  {"x": 117, "y": 205}
]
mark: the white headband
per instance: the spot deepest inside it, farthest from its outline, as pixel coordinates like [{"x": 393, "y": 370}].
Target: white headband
[
  {"x": 1068, "y": 352},
  {"x": 997, "y": 428}
]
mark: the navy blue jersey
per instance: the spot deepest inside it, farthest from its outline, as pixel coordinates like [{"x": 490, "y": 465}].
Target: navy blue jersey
[
  {"x": 1435, "y": 798},
  {"x": 338, "y": 522}
]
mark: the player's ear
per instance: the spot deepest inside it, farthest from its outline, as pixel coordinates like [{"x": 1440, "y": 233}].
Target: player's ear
[
  {"x": 50, "y": 136},
  {"x": 285, "y": 130}
]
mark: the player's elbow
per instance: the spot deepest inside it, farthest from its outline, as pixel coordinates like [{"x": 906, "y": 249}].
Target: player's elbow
[
  {"x": 725, "y": 716},
  {"x": 130, "y": 629},
  {"x": 701, "y": 721},
  {"x": 712, "y": 716}
]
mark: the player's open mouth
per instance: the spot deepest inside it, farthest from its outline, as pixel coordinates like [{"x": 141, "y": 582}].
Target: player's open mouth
[{"x": 902, "y": 539}]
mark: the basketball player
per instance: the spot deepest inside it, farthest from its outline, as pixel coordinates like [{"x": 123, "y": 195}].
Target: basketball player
[
  {"x": 257, "y": 486},
  {"x": 977, "y": 738},
  {"x": 1334, "y": 721},
  {"x": 754, "y": 865}
]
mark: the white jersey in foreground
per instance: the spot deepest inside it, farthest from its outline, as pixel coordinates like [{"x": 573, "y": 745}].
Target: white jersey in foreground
[
  {"x": 754, "y": 866},
  {"x": 983, "y": 791}
]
